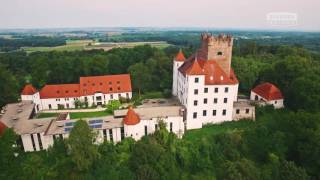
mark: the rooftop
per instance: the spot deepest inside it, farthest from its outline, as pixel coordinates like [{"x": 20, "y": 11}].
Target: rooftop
[{"x": 17, "y": 116}]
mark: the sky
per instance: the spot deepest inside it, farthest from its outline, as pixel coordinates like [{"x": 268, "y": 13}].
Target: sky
[{"x": 238, "y": 14}]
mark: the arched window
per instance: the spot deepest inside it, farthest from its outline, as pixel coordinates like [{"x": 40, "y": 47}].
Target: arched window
[{"x": 219, "y": 53}]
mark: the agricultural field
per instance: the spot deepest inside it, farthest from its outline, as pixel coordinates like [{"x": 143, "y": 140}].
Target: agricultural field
[{"x": 78, "y": 45}]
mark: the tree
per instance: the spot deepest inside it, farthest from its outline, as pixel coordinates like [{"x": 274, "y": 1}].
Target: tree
[
  {"x": 8, "y": 86},
  {"x": 113, "y": 105},
  {"x": 140, "y": 77},
  {"x": 83, "y": 151},
  {"x": 10, "y": 154}
]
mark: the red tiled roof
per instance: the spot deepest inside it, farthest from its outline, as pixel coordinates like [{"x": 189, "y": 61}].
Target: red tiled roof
[
  {"x": 180, "y": 56},
  {"x": 28, "y": 90},
  {"x": 210, "y": 68},
  {"x": 60, "y": 91},
  {"x": 105, "y": 84},
  {"x": 132, "y": 118},
  {"x": 2, "y": 128},
  {"x": 89, "y": 86},
  {"x": 268, "y": 91}
]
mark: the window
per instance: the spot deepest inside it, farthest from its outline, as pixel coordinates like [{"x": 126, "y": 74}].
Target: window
[
  {"x": 247, "y": 111},
  {"x": 40, "y": 141},
  {"x": 145, "y": 130},
  {"x": 224, "y": 112},
  {"x": 256, "y": 98},
  {"x": 118, "y": 82},
  {"x": 110, "y": 89},
  {"x": 275, "y": 102},
  {"x": 225, "y": 100},
  {"x": 204, "y": 112},
  {"x": 111, "y": 135},
  {"x": 205, "y": 101},
  {"x": 196, "y": 91},
  {"x": 214, "y": 112},
  {"x": 196, "y": 80},
  {"x": 205, "y": 90},
  {"x": 111, "y": 96},
  {"x": 194, "y": 115},
  {"x": 122, "y": 133},
  {"x": 127, "y": 95},
  {"x": 33, "y": 144},
  {"x": 237, "y": 111},
  {"x": 156, "y": 127},
  {"x": 216, "y": 90},
  {"x": 60, "y": 136},
  {"x": 219, "y": 53},
  {"x": 100, "y": 83},
  {"x": 118, "y": 88},
  {"x": 104, "y": 134},
  {"x": 171, "y": 126},
  {"x": 67, "y": 105},
  {"x": 195, "y": 103},
  {"x": 215, "y": 100},
  {"x": 226, "y": 89},
  {"x": 119, "y": 95},
  {"x": 50, "y": 107}
]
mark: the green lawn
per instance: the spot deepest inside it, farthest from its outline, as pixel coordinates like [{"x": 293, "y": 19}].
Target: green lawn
[
  {"x": 46, "y": 115},
  {"x": 75, "y": 115},
  {"x": 78, "y": 115},
  {"x": 215, "y": 129}
]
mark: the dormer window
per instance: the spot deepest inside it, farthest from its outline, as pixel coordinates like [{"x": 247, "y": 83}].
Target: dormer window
[
  {"x": 58, "y": 92},
  {"x": 219, "y": 53}
]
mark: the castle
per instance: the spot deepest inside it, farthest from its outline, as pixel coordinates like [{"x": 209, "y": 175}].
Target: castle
[
  {"x": 206, "y": 84},
  {"x": 205, "y": 90}
]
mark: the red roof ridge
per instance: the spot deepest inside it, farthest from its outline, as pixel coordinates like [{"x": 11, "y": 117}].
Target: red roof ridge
[
  {"x": 132, "y": 118},
  {"x": 29, "y": 90},
  {"x": 195, "y": 68},
  {"x": 268, "y": 91},
  {"x": 180, "y": 56}
]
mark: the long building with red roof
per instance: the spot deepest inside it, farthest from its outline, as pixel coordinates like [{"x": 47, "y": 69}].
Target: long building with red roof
[{"x": 92, "y": 90}]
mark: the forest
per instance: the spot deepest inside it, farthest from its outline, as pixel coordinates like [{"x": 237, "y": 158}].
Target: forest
[{"x": 280, "y": 144}]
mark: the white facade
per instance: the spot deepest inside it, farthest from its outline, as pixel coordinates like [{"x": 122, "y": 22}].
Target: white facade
[
  {"x": 205, "y": 103},
  {"x": 277, "y": 103},
  {"x": 176, "y": 65},
  {"x": 145, "y": 127},
  {"x": 69, "y": 102}
]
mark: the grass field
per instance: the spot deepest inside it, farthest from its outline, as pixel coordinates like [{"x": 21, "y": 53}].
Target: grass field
[
  {"x": 71, "y": 47},
  {"x": 79, "y": 45},
  {"x": 46, "y": 115},
  {"x": 215, "y": 129},
  {"x": 78, "y": 115},
  {"x": 75, "y": 115}
]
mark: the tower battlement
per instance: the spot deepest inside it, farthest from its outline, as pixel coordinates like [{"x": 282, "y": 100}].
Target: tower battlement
[{"x": 208, "y": 38}]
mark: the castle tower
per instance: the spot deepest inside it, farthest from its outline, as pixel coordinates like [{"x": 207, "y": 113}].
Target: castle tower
[
  {"x": 177, "y": 62},
  {"x": 218, "y": 48}
]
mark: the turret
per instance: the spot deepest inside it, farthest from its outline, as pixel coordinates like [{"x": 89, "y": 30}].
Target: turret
[{"x": 177, "y": 62}]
